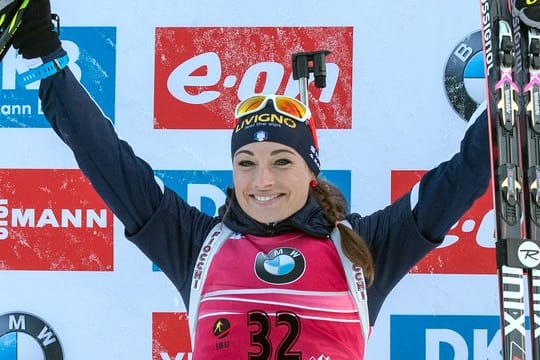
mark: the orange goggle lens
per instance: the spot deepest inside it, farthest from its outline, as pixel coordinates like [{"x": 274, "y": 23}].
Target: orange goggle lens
[
  {"x": 250, "y": 105},
  {"x": 291, "y": 107},
  {"x": 283, "y": 104}
]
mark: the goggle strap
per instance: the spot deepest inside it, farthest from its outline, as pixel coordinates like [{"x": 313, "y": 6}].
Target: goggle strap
[{"x": 313, "y": 129}]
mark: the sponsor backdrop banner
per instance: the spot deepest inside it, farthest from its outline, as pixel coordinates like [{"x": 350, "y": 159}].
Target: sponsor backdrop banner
[{"x": 403, "y": 81}]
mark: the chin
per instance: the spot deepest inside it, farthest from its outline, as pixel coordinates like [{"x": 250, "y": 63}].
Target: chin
[
  {"x": 267, "y": 220},
  {"x": 270, "y": 216},
  {"x": 262, "y": 217}
]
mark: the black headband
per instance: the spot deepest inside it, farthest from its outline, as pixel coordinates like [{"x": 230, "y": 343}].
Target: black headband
[{"x": 269, "y": 125}]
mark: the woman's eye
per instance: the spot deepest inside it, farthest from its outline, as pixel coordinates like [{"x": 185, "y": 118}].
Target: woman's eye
[
  {"x": 282, "y": 162},
  {"x": 246, "y": 163}
]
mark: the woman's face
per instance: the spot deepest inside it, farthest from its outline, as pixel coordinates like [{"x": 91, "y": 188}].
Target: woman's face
[{"x": 271, "y": 180}]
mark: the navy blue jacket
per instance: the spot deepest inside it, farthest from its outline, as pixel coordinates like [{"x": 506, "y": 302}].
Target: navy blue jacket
[{"x": 170, "y": 232}]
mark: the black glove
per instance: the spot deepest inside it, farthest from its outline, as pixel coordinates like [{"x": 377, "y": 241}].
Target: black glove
[
  {"x": 36, "y": 36},
  {"x": 528, "y": 14}
]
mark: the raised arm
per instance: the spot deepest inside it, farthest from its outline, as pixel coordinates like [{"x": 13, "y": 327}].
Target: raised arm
[
  {"x": 403, "y": 233},
  {"x": 448, "y": 190},
  {"x": 156, "y": 219},
  {"x": 123, "y": 180}
]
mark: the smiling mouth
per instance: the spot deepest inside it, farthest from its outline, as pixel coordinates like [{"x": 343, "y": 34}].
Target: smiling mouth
[{"x": 260, "y": 198}]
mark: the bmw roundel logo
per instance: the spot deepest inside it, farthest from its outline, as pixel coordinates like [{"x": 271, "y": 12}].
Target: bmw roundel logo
[
  {"x": 464, "y": 79},
  {"x": 24, "y": 336},
  {"x": 280, "y": 266}
]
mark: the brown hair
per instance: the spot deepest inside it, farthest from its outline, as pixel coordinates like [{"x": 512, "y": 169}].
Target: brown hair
[{"x": 335, "y": 208}]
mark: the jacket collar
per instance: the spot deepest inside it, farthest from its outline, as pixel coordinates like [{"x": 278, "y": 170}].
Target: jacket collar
[{"x": 309, "y": 219}]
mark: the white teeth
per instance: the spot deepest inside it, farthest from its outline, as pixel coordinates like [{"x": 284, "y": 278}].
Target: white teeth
[{"x": 264, "y": 198}]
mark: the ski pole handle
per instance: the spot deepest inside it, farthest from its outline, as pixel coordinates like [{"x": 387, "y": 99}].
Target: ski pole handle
[{"x": 305, "y": 63}]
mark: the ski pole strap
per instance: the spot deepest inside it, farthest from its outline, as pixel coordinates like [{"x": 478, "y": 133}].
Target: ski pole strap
[
  {"x": 45, "y": 70},
  {"x": 528, "y": 12},
  {"x": 518, "y": 253}
]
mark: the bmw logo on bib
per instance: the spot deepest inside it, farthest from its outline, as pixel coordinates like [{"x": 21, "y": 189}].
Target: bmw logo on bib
[{"x": 280, "y": 266}]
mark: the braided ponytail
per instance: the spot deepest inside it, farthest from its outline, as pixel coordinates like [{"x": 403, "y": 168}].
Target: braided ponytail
[{"x": 334, "y": 205}]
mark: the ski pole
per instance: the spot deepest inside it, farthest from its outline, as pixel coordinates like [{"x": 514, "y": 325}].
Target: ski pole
[{"x": 305, "y": 63}]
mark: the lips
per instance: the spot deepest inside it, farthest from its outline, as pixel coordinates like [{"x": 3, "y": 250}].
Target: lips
[{"x": 265, "y": 198}]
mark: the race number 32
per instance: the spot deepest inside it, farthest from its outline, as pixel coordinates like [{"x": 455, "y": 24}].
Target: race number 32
[{"x": 262, "y": 329}]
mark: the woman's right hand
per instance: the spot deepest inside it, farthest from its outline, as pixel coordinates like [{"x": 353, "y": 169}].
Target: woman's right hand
[{"x": 36, "y": 36}]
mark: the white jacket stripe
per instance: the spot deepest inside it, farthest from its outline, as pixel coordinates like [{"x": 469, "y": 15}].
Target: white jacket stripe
[
  {"x": 213, "y": 242},
  {"x": 356, "y": 282}
]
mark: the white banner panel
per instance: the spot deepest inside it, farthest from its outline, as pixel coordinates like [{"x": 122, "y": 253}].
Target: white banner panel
[{"x": 390, "y": 112}]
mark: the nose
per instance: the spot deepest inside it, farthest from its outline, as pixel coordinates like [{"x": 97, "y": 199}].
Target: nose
[{"x": 264, "y": 178}]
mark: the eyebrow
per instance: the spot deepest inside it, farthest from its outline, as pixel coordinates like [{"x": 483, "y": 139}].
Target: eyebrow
[{"x": 275, "y": 152}]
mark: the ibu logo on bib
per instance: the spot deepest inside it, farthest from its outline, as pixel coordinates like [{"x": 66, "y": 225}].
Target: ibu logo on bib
[{"x": 280, "y": 266}]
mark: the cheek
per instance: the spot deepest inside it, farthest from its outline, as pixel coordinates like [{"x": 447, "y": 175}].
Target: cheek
[
  {"x": 240, "y": 181},
  {"x": 298, "y": 186},
  {"x": 302, "y": 193}
]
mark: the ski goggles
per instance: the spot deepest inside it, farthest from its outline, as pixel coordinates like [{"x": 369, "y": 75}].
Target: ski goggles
[{"x": 284, "y": 105}]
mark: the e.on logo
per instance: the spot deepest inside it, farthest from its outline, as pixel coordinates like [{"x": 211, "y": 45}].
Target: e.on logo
[
  {"x": 469, "y": 247},
  {"x": 170, "y": 336},
  {"x": 202, "y": 73},
  {"x": 53, "y": 220}
]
